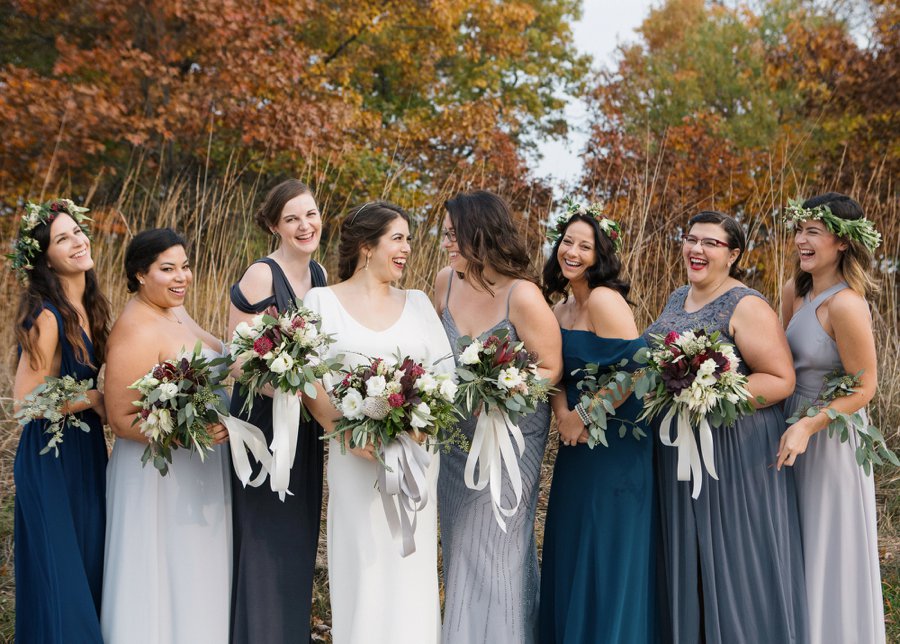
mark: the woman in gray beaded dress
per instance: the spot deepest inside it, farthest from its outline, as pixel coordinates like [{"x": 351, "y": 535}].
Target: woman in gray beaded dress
[
  {"x": 829, "y": 328},
  {"x": 490, "y": 575},
  {"x": 731, "y": 560}
]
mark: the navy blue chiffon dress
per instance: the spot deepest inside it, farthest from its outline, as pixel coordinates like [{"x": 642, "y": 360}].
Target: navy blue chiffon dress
[
  {"x": 60, "y": 522},
  {"x": 598, "y": 574}
]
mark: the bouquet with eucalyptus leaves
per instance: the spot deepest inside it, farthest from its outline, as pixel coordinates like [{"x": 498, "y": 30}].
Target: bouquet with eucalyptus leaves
[{"x": 50, "y": 400}]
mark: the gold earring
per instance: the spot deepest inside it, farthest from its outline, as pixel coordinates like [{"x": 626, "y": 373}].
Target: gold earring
[{"x": 367, "y": 263}]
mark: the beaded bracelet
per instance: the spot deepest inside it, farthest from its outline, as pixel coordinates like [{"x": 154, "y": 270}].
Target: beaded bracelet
[{"x": 583, "y": 415}]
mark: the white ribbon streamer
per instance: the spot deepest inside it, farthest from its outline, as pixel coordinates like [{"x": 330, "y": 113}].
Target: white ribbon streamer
[
  {"x": 285, "y": 426},
  {"x": 689, "y": 455},
  {"x": 404, "y": 488},
  {"x": 491, "y": 450},
  {"x": 244, "y": 437}
]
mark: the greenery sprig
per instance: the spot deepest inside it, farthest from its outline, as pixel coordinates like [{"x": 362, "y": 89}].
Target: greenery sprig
[
  {"x": 600, "y": 391},
  {"x": 861, "y": 230},
  {"x": 49, "y": 400}
]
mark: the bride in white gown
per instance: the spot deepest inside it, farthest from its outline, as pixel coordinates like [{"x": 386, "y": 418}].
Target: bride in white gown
[
  {"x": 377, "y": 596},
  {"x": 167, "y": 566}
]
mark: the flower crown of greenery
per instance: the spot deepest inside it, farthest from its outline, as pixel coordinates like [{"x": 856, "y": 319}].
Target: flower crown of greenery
[
  {"x": 595, "y": 211},
  {"x": 25, "y": 246},
  {"x": 861, "y": 230}
]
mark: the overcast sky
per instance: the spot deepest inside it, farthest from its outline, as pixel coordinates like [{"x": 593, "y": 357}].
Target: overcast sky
[{"x": 604, "y": 23}]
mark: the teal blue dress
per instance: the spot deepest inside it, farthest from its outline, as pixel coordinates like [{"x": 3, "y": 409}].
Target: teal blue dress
[
  {"x": 598, "y": 575},
  {"x": 60, "y": 523}
]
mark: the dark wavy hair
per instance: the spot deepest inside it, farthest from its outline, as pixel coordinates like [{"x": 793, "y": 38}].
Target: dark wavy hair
[
  {"x": 854, "y": 262},
  {"x": 269, "y": 213},
  {"x": 143, "y": 250},
  {"x": 364, "y": 225},
  {"x": 733, "y": 231},
  {"x": 43, "y": 285},
  {"x": 606, "y": 270},
  {"x": 486, "y": 236}
]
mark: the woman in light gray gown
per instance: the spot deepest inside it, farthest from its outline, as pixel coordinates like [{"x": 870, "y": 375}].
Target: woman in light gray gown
[
  {"x": 829, "y": 328},
  {"x": 491, "y": 576}
]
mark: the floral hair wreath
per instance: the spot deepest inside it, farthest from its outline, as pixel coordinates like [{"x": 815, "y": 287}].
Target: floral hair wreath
[
  {"x": 861, "y": 230},
  {"x": 25, "y": 246},
  {"x": 595, "y": 211}
]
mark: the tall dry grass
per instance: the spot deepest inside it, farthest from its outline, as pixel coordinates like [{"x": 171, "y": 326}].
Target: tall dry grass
[{"x": 216, "y": 218}]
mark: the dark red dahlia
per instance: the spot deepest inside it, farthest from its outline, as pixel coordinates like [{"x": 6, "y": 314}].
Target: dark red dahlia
[
  {"x": 671, "y": 338},
  {"x": 263, "y": 345},
  {"x": 396, "y": 400}
]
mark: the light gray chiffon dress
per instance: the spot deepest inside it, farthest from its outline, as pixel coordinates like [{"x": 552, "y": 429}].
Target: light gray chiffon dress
[
  {"x": 731, "y": 561},
  {"x": 837, "y": 504},
  {"x": 491, "y": 577}
]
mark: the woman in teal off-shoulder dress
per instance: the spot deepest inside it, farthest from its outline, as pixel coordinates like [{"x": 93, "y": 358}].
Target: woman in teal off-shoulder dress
[{"x": 597, "y": 581}]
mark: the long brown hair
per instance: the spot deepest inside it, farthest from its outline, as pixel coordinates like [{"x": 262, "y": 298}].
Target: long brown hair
[
  {"x": 364, "y": 225},
  {"x": 487, "y": 236},
  {"x": 44, "y": 286},
  {"x": 854, "y": 262}
]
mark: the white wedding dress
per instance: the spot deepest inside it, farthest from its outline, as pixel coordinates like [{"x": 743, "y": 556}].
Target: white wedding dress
[
  {"x": 377, "y": 596},
  {"x": 167, "y": 568}
]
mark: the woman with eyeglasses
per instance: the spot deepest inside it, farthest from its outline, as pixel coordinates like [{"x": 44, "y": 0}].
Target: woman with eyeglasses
[{"x": 732, "y": 561}]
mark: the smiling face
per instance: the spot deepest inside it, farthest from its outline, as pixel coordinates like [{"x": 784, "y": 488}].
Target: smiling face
[
  {"x": 819, "y": 248},
  {"x": 69, "y": 250},
  {"x": 707, "y": 262},
  {"x": 577, "y": 251},
  {"x": 166, "y": 282},
  {"x": 449, "y": 243},
  {"x": 300, "y": 224},
  {"x": 388, "y": 258}
]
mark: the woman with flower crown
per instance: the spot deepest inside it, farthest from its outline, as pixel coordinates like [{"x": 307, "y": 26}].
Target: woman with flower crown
[
  {"x": 61, "y": 327},
  {"x": 378, "y": 596},
  {"x": 731, "y": 557},
  {"x": 490, "y": 572},
  {"x": 598, "y": 575},
  {"x": 167, "y": 571},
  {"x": 829, "y": 328}
]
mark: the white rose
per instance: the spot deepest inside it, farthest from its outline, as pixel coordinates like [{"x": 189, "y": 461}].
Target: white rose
[
  {"x": 426, "y": 383},
  {"x": 510, "y": 378},
  {"x": 284, "y": 362},
  {"x": 243, "y": 330},
  {"x": 707, "y": 368},
  {"x": 310, "y": 332},
  {"x": 421, "y": 416},
  {"x": 167, "y": 391},
  {"x": 352, "y": 405},
  {"x": 470, "y": 354},
  {"x": 448, "y": 390},
  {"x": 256, "y": 320},
  {"x": 375, "y": 385}
]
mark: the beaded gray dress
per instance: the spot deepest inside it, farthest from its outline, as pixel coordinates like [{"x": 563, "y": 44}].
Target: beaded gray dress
[
  {"x": 731, "y": 561},
  {"x": 491, "y": 577},
  {"x": 837, "y": 503}
]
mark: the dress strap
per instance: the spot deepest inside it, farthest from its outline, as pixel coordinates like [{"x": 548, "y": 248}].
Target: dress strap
[
  {"x": 509, "y": 296},
  {"x": 449, "y": 284},
  {"x": 816, "y": 302},
  {"x": 318, "y": 274}
]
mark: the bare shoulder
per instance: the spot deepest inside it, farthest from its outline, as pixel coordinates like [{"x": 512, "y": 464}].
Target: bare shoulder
[
  {"x": 132, "y": 331},
  {"x": 45, "y": 324},
  {"x": 526, "y": 293},
  {"x": 848, "y": 305},
  {"x": 610, "y": 314},
  {"x": 256, "y": 283},
  {"x": 753, "y": 306},
  {"x": 789, "y": 291},
  {"x": 441, "y": 283}
]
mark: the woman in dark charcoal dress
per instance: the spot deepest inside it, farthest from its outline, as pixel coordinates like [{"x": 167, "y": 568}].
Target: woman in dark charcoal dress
[
  {"x": 275, "y": 541},
  {"x": 732, "y": 559},
  {"x": 61, "y": 326},
  {"x": 829, "y": 328},
  {"x": 598, "y": 574},
  {"x": 491, "y": 576}
]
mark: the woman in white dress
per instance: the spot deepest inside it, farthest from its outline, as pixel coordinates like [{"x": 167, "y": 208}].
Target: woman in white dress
[
  {"x": 167, "y": 569},
  {"x": 377, "y": 596}
]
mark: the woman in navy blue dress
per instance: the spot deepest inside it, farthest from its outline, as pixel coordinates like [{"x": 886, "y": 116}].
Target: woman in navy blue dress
[
  {"x": 597, "y": 580},
  {"x": 61, "y": 327}
]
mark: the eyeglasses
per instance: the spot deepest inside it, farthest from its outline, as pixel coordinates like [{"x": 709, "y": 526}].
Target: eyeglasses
[
  {"x": 449, "y": 235},
  {"x": 706, "y": 242}
]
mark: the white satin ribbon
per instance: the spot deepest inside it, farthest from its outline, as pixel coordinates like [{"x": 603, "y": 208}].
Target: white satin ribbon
[
  {"x": 244, "y": 437},
  {"x": 491, "y": 450},
  {"x": 689, "y": 455},
  {"x": 285, "y": 426},
  {"x": 404, "y": 488}
]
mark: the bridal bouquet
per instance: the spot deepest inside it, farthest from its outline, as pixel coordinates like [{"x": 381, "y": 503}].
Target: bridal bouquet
[
  {"x": 692, "y": 377},
  {"x": 498, "y": 381},
  {"x": 178, "y": 400},
  {"x": 383, "y": 403},
  {"x": 50, "y": 401},
  {"x": 285, "y": 350},
  {"x": 872, "y": 446}
]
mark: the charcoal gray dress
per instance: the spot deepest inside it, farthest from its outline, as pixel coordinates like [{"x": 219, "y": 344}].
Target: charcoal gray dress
[
  {"x": 731, "y": 560},
  {"x": 491, "y": 577},
  {"x": 838, "y": 520}
]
